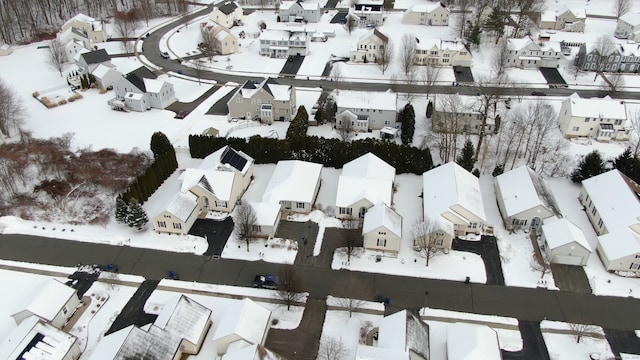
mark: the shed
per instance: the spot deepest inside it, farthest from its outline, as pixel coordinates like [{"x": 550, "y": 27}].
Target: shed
[{"x": 5, "y": 50}]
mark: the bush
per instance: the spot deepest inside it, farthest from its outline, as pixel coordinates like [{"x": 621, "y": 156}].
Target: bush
[
  {"x": 62, "y": 102},
  {"x": 35, "y": 94}
]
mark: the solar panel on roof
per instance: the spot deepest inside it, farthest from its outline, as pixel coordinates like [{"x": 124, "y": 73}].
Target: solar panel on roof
[{"x": 234, "y": 159}]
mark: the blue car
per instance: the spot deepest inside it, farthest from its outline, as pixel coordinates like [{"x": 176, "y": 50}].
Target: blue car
[{"x": 266, "y": 282}]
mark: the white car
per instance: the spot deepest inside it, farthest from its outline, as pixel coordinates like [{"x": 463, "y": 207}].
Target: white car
[{"x": 165, "y": 55}]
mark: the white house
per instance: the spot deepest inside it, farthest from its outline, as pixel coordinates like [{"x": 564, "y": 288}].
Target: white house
[
  {"x": 74, "y": 41},
  {"x": 438, "y": 52},
  {"x": 472, "y": 342},
  {"x": 370, "y": 48},
  {"x": 226, "y": 14},
  {"x": 54, "y": 303},
  {"x": 382, "y": 230},
  {"x": 283, "y": 43},
  {"x": 251, "y": 352},
  {"x": 367, "y": 110},
  {"x": 94, "y": 29},
  {"x": 611, "y": 204},
  {"x": 368, "y": 12},
  {"x": 603, "y": 119},
  {"x": 401, "y": 336},
  {"x": 431, "y": 13},
  {"x": 5, "y": 49},
  {"x": 36, "y": 339},
  {"x": 523, "y": 199},
  {"x": 452, "y": 203},
  {"x": 300, "y": 11},
  {"x": 564, "y": 19},
  {"x": 179, "y": 215},
  {"x": 105, "y": 76},
  {"x": 179, "y": 330},
  {"x": 267, "y": 219},
  {"x": 628, "y": 27},
  {"x": 364, "y": 182},
  {"x": 139, "y": 91},
  {"x": 527, "y": 54},
  {"x": 243, "y": 324},
  {"x": 563, "y": 243},
  {"x": 294, "y": 185},
  {"x": 87, "y": 62}
]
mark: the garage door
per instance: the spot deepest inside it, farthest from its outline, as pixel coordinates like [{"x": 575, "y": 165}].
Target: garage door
[{"x": 567, "y": 260}]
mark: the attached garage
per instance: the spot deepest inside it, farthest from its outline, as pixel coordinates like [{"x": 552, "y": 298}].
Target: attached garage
[
  {"x": 569, "y": 260},
  {"x": 564, "y": 243}
]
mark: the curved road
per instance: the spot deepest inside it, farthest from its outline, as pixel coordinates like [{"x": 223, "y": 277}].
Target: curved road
[{"x": 522, "y": 303}]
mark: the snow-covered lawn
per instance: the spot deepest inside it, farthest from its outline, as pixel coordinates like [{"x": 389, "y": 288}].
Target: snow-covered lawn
[{"x": 561, "y": 341}]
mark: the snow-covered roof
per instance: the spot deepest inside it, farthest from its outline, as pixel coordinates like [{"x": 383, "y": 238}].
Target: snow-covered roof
[
  {"x": 182, "y": 205},
  {"x": 559, "y": 232},
  {"x": 519, "y": 44},
  {"x": 518, "y": 190},
  {"x": 35, "y": 339},
  {"x": 382, "y": 215},
  {"x": 283, "y": 35},
  {"x": 278, "y": 91},
  {"x": 464, "y": 104},
  {"x": 153, "y": 86},
  {"x": 616, "y": 204},
  {"x": 472, "y": 342},
  {"x": 293, "y": 180},
  {"x": 221, "y": 35},
  {"x": 134, "y": 96},
  {"x": 109, "y": 345},
  {"x": 428, "y": 7},
  {"x": 375, "y": 100},
  {"x": 227, "y": 159},
  {"x": 579, "y": 13},
  {"x": 49, "y": 300},
  {"x": 352, "y": 189},
  {"x": 632, "y": 18},
  {"x": 367, "y": 352},
  {"x": 369, "y": 166},
  {"x": 101, "y": 70},
  {"x": 81, "y": 18},
  {"x": 251, "y": 352},
  {"x": 619, "y": 243},
  {"x": 402, "y": 331},
  {"x": 218, "y": 182},
  {"x": 266, "y": 213},
  {"x": 597, "y": 108},
  {"x": 310, "y": 5},
  {"x": 246, "y": 319}
]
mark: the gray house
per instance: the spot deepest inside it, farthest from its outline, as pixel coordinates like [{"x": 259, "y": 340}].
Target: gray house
[
  {"x": 299, "y": 11},
  {"x": 367, "y": 110},
  {"x": 620, "y": 58},
  {"x": 140, "y": 90},
  {"x": 89, "y": 61},
  {"x": 265, "y": 101}
]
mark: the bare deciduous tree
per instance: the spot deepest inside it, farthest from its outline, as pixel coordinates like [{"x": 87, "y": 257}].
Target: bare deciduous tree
[
  {"x": 385, "y": 56},
  {"x": 634, "y": 121},
  {"x": 407, "y": 54},
  {"x": 429, "y": 75},
  {"x": 344, "y": 127},
  {"x": 332, "y": 349},
  {"x": 500, "y": 57},
  {"x": 124, "y": 25},
  {"x": 353, "y": 293},
  {"x": 198, "y": 66},
  {"x": 622, "y": 7},
  {"x": 351, "y": 239},
  {"x": 460, "y": 26},
  {"x": 446, "y": 124},
  {"x": 12, "y": 112},
  {"x": 245, "y": 220},
  {"x": 582, "y": 330},
  {"x": 206, "y": 42},
  {"x": 490, "y": 90},
  {"x": 616, "y": 82},
  {"x": 604, "y": 45},
  {"x": 427, "y": 239},
  {"x": 522, "y": 9},
  {"x": 337, "y": 75},
  {"x": 290, "y": 285},
  {"x": 56, "y": 57}
]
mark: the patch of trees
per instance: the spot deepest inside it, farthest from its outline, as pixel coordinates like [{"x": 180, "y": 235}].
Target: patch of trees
[
  {"x": 590, "y": 165},
  {"x": 407, "y": 117}
]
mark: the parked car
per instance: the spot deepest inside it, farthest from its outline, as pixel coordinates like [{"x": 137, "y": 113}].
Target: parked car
[
  {"x": 181, "y": 115},
  {"x": 266, "y": 282},
  {"x": 165, "y": 55},
  {"x": 538, "y": 93}
]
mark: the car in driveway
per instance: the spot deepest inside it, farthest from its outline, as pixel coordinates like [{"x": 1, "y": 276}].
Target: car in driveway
[
  {"x": 266, "y": 282},
  {"x": 181, "y": 115},
  {"x": 165, "y": 55},
  {"x": 538, "y": 93}
]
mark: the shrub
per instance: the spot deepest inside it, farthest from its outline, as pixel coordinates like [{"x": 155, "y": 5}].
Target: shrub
[{"x": 35, "y": 94}]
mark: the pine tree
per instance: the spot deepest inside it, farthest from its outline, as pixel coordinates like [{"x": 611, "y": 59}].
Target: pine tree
[
  {"x": 476, "y": 172},
  {"x": 627, "y": 164},
  {"x": 136, "y": 216},
  {"x": 591, "y": 165},
  {"x": 429, "y": 109},
  {"x": 466, "y": 158},
  {"x": 498, "y": 170},
  {"x": 408, "y": 124},
  {"x": 474, "y": 35},
  {"x": 121, "y": 210},
  {"x": 160, "y": 144}
]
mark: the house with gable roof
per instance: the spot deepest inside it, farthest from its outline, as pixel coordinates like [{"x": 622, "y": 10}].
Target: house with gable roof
[
  {"x": 564, "y": 19},
  {"x": 370, "y": 47},
  {"x": 619, "y": 58},
  {"x": 105, "y": 76},
  {"x": 401, "y": 336},
  {"x": 265, "y": 101},
  {"x": 281, "y": 43},
  {"x": 610, "y": 201},
  {"x": 527, "y": 54},
  {"x": 95, "y": 29},
  {"x": 524, "y": 199},
  {"x": 34, "y": 338},
  {"x": 87, "y": 62},
  {"x": 367, "y": 110},
  {"x": 452, "y": 203},
  {"x": 459, "y": 114},
  {"x": 562, "y": 242},
  {"x": 74, "y": 41},
  {"x": 472, "y": 342},
  {"x": 54, "y": 303},
  {"x": 602, "y": 119},
  {"x": 437, "y": 52},
  {"x": 299, "y": 11},
  {"x": 222, "y": 40},
  {"x": 179, "y": 215},
  {"x": 628, "y": 27},
  {"x": 294, "y": 186},
  {"x": 243, "y": 324},
  {"x": 267, "y": 219},
  {"x": 364, "y": 182},
  {"x": 430, "y": 13},
  {"x": 368, "y": 12},
  {"x": 382, "y": 230},
  {"x": 226, "y": 14},
  {"x": 140, "y": 90}
]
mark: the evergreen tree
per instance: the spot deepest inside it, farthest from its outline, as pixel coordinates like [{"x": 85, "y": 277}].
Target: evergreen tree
[
  {"x": 465, "y": 159},
  {"x": 160, "y": 144},
  {"x": 495, "y": 22},
  {"x": 121, "y": 210},
  {"x": 429, "y": 109},
  {"x": 408, "y": 124},
  {"x": 474, "y": 35},
  {"x": 627, "y": 164},
  {"x": 136, "y": 216},
  {"x": 591, "y": 165},
  {"x": 498, "y": 170},
  {"x": 476, "y": 172}
]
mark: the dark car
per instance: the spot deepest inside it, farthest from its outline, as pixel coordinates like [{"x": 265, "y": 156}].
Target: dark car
[
  {"x": 181, "y": 115},
  {"x": 538, "y": 93},
  {"x": 266, "y": 282}
]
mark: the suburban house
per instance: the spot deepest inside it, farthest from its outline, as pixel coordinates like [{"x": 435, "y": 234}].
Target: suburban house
[
  {"x": 54, "y": 303},
  {"x": 87, "y": 62},
  {"x": 294, "y": 186},
  {"x": 611, "y": 203},
  {"x": 221, "y": 39},
  {"x": 370, "y": 48},
  {"x": 602, "y": 119},
  {"x": 251, "y": 352},
  {"x": 284, "y": 43},
  {"x": 264, "y": 101},
  {"x": 628, "y": 27},
  {"x": 563, "y": 19},
  {"x": 527, "y": 54},
  {"x": 382, "y": 230},
  {"x": 227, "y": 14},
  {"x": 452, "y": 203},
  {"x": 34, "y": 338},
  {"x": 459, "y": 114},
  {"x": 472, "y": 342},
  {"x": 216, "y": 185},
  {"x": 441, "y": 53},
  {"x": 94, "y": 29},
  {"x": 267, "y": 219},
  {"x": 563, "y": 243},
  {"x": 367, "y": 110},
  {"x": 5, "y": 50},
  {"x": 523, "y": 199},
  {"x": 243, "y": 324},
  {"x": 401, "y": 336},
  {"x": 364, "y": 182},
  {"x": 105, "y": 76},
  {"x": 140, "y": 90},
  {"x": 74, "y": 41},
  {"x": 368, "y": 12},
  {"x": 431, "y": 13},
  {"x": 299, "y": 11},
  {"x": 619, "y": 58},
  {"x": 179, "y": 330}
]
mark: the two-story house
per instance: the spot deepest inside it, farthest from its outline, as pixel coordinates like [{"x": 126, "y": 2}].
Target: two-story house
[
  {"x": 299, "y": 11},
  {"x": 619, "y": 58},
  {"x": 94, "y": 29},
  {"x": 74, "y": 41},
  {"x": 564, "y": 19},
  {"x": 284, "y": 43},
  {"x": 603, "y": 119},
  {"x": 226, "y": 14},
  {"x": 628, "y": 27},
  {"x": 437, "y": 52},
  {"x": 367, "y": 110},
  {"x": 459, "y": 114},
  {"x": 221, "y": 39},
  {"x": 368, "y": 12},
  {"x": 370, "y": 48},
  {"x": 265, "y": 101},
  {"x": 87, "y": 62},
  {"x": 140, "y": 90},
  {"x": 528, "y": 54},
  {"x": 431, "y": 13}
]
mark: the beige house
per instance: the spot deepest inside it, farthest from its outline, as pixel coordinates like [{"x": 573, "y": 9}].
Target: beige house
[
  {"x": 628, "y": 27},
  {"x": 382, "y": 230},
  {"x": 243, "y": 324},
  {"x": 294, "y": 186},
  {"x": 601, "y": 119},
  {"x": 611, "y": 204},
  {"x": 179, "y": 215},
  {"x": 564, "y": 19},
  {"x": 267, "y": 219},
  {"x": 523, "y": 199},
  {"x": 401, "y": 336},
  {"x": 34, "y": 338},
  {"x": 94, "y": 29},
  {"x": 441, "y": 53},
  {"x": 459, "y": 114},
  {"x": 563, "y": 243},
  {"x": 54, "y": 303},
  {"x": 226, "y": 14},
  {"x": 431, "y": 13},
  {"x": 266, "y": 101},
  {"x": 370, "y": 48},
  {"x": 222, "y": 40}
]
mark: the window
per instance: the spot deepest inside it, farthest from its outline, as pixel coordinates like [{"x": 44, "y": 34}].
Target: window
[
  {"x": 239, "y": 100},
  {"x": 167, "y": 216},
  {"x": 575, "y": 128},
  {"x": 439, "y": 241},
  {"x": 221, "y": 203},
  {"x": 618, "y": 122},
  {"x": 634, "y": 266},
  {"x": 382, "y": 233},
  {"x": 593, "y": 211},
  {"x": 586, "y": 119},
  {"x": 177, "y": 226},
  {"x": 300, "y": 205},
  {"x": 162, "y": 224},
  {"x": 382, "y": 242},
  {"x": 600, "y": 223},
  {"x": 519, "y": 222}
]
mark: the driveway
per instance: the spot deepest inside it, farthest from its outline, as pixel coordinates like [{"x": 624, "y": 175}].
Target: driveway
[
  {"x": 292, "y": 65},
  {"x": 570, "y": 278},
  {"x": 533, "y": 345},
  {"x": 622, "y": 342},
  {"x": 190, "y": 106},
  {"x": 553, "y": 77},
  {"x": 216, "y": 232},
  {"x": 339, "y": 17},
  {"x": 305, "y": 233},
  {"x": 463, "y": 75},
  {"x": 487, "y": 248},
  {"x": 133, "y": 312},
  {"x": 220, "y": 107},
  {"x": 82, "y": 280}
]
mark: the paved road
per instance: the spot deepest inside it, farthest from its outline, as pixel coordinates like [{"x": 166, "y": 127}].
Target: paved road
[{"x": 522, "y": 303}]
